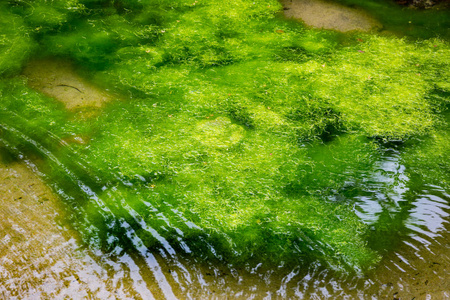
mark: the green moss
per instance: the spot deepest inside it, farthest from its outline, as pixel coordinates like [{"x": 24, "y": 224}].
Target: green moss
[
  {"x": 427, "y": 161},
  {"x": 388, "y": 92},
  {"x": 45, "y": 16},
  {"x": 219, "y": 133},
  {"x": 227, "y": 179},
  {"x": 36, "y": 110},
  {"x": 93, "y": 41}
]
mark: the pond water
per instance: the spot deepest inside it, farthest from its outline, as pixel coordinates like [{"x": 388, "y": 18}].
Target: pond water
[
  {"x": 43, "y": 256},
  {"x": 250, "y": 175}
]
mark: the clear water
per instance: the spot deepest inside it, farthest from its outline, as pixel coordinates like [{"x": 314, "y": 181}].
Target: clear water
[
  {"x": 43, "y": 256},
  {"x": 73, "y": 226}
]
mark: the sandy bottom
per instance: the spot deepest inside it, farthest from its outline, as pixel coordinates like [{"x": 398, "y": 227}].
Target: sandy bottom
[
  {"x": 58, "y": 79},
  {"x": 328, "y": 15},
  {"x": 41, "y": 260}
]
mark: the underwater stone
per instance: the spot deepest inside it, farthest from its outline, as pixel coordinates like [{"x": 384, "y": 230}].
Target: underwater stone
[
  {"x": 219, "y": 133},
  {"x": 330, "y": 15}
]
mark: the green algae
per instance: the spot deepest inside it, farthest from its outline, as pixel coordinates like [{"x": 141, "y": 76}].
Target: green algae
[
  {"x": 427, "y": 159},
  {"x": 15, "y": 42},
  {"x": 252, "y": 127},
  {"x": 219, "y": 133}
]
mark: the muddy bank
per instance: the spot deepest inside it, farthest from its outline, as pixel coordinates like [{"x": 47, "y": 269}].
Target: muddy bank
[
  {"x": 59, "y": 79},
  {"x": 328, "y": 15}
]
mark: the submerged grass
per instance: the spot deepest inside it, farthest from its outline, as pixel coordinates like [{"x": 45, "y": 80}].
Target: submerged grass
[{"x": 247, "y": 124}]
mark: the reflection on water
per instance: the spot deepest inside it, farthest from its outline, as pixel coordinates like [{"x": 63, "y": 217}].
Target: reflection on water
[{"x": 41, "y": 259}]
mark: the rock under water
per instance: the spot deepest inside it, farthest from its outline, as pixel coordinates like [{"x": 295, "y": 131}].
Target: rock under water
[
  {"x": 327, "y": 15},
  {"x": 58, "y": 79}
]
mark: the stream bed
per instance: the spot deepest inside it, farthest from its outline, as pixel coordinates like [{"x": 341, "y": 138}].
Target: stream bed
[
  {"x": 223, "y": 150},
  {"x": 43, "y": 257}
]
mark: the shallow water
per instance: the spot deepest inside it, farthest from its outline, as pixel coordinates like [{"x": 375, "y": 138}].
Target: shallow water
[
  {"x": 40, "y": 258},
  {"x": 45, "y": 257},
  {"x": 69, "y": 230},
  {"x": 329, "y": 15}
]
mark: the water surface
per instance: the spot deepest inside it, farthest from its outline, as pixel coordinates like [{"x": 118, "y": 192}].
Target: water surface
[{"x": 45, "y": 257}]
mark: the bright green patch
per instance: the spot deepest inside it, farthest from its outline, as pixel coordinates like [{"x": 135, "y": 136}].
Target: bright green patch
[
  {"x": 258, "y": 131},
  {"x": 219, "y": 133}
]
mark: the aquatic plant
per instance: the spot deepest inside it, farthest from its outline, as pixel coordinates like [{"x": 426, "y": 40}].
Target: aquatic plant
[
  {"x": 239, "y": 136},
  {"x": 15, "y": 42}
]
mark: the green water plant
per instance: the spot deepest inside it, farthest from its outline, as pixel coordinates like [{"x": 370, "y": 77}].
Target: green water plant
[
  {"x": 15, "y": 42},
  {"x": 236, "y": 131}
]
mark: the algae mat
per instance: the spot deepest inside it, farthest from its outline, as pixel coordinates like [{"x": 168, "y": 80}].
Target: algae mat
[{"x": 327, "y": 15}]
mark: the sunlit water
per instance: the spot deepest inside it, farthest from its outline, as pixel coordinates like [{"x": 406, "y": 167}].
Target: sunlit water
[
  {"x": 65, "y": 236},
  {"x": 42, "y": 254}
]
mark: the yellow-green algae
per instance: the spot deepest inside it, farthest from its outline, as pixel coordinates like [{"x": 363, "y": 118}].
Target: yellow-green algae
[
  {"x": 220, "y": 132},
  {"x": 246, "y": 124}
]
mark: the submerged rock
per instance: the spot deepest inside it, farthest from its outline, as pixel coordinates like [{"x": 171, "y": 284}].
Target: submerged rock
[
  {"x": 327, "y": 15},
  {"x": 424, "y": 3},
  {"x": 58, "y": 79}
]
